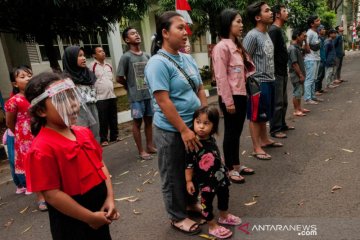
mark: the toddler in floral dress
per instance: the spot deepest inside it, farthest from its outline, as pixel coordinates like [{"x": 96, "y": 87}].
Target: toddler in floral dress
[
  {"x": 18, "y": 121},
  {"x": 206, "y": 169}
]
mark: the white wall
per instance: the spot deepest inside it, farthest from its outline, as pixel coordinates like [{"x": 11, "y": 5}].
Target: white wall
[{"x": 201, "y": 59}]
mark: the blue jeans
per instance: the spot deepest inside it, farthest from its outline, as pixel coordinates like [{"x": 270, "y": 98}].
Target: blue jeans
[
  {"x": 19, "y": 179},
  {"x": 311, "y": 68}
]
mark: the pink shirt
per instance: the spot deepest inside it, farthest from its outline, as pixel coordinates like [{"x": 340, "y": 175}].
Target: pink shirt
[{"x": 229, "y": 71}]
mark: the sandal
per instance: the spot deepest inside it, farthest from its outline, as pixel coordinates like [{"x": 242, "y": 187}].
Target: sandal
[
  {"x": 145, "y": 157},
  {"x": 304, "y": 110},
  {"x": 262, "y": 156},
  {"x": 236, "y": 174},
  {"x": 152, "y": 151},
  {"x": 246, "y": 171},
  {"x": 230, "y": 220},
  {"x": 279, "y": 135},
  {"x": 220, "y": 232},
  {"x": 299, "y": 114},
  {"x": 42, "y": 206},
  {"x": 273, "y": 145},
  {"x": 186, "y": 226},
  {"x": 105, "y": 143}
]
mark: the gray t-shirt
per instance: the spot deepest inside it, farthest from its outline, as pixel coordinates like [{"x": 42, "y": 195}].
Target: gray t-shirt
[
  {"x": 295, "y": 56},
  {"x": 312, "y": 38},
  {"x": 261, "y": 49},
  {"x": 132, "y": 67}
]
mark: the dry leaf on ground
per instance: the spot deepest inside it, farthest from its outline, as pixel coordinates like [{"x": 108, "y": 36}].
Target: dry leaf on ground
[
  {"x": 347, "y": 150},
  {"x": 334, "y": 188},
  {"x": 250, "y": 203},
  {"x": 328, "y": 159},
  {"x": 24, "y": 210},
  {"x": 26, "y": 229},
  {"x": 136, "y": 212},
  {"x": 117, "y": 183},
  {"x": 139, "y": 190},
  {"x": 8, "y": 224},
  {"x": 124, "y": 173},
  {"x": 207, "y": 236},
  {"x": 124, "y": 198},
  {"x": 243, "y": 152}
]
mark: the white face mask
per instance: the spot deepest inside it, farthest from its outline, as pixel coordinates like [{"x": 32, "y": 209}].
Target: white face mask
[{"x": 67, "y": 101}]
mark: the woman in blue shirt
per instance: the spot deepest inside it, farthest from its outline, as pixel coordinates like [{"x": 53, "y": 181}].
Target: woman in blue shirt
[{"x": 175, "y": 83}]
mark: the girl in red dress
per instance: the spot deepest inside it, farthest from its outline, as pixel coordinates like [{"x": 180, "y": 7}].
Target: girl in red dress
[
  {"x": 65, "y": 162},
  {"x": 18, "y": 121}
]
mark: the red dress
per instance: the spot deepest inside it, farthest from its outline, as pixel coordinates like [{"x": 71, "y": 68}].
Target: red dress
[{"x": 23, "y": 137}]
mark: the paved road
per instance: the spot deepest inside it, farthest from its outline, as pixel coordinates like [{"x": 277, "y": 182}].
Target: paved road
[{"x": 293, "y": 190}]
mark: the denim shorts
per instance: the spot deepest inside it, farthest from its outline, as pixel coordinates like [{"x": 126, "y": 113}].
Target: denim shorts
[
  {"x": 298, "y": 90},
  {"x": 142, "y": 109}
]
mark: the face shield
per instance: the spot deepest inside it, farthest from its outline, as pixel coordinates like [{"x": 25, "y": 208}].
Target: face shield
[{"x": 67, "y": 101}]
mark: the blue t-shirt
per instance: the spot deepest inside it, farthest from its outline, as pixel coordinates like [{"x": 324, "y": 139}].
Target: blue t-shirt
[{"x": 161, "y": 74}]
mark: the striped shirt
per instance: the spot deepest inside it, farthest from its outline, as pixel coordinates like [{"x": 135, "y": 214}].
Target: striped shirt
[{"x": 261, "y": 49}]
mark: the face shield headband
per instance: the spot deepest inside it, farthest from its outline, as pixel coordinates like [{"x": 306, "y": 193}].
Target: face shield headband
[{"x": 67, "y": 101}]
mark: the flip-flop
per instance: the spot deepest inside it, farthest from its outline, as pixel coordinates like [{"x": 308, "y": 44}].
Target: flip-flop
[
  {"x": 188, "y": 230},
  {"x": 273, "y": 145},
  {"x": 304, "y": 110},
  {"x": 265, "y": 156},
  {"x": 299, "y": 114},
  {"x": 279, "y": 135},
  {"x": 146, "y": 157},
  {"x": 42, "y": 206},
  {"x": 234, "y": 173},
  {"x": 220, "y": 232},
  {"x": 246, "y": 171},
  {"x": 105, "y": 143}
]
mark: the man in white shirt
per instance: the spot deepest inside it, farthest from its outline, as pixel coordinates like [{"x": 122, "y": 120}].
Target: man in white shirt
[{"x": 106, "y": 99}]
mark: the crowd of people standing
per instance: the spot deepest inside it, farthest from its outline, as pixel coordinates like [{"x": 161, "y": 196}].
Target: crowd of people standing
[{"x": 167, "y": 92}]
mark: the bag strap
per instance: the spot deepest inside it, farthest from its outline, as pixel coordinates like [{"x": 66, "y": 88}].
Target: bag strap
[{"x": 191, "y": 82}]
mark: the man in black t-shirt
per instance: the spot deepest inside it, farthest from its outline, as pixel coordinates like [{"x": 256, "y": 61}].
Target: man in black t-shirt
[{"x": 277, "y": 35}]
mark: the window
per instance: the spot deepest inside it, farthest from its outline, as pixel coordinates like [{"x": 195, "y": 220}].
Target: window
[{"x": 60, "y": 44}]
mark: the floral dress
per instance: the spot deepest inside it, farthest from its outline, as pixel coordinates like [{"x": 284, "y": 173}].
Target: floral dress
[
  {"x": 23, "y": 137},
  {"x": 209, "y": 171}
]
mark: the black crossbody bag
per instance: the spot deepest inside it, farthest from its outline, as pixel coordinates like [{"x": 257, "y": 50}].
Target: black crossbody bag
[{"x": 191, "y": 82}]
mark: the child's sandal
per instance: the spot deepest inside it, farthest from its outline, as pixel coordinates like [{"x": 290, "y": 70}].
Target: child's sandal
[
  {"x": 42, "y": 206},
  {"x": 230, "y": 220},
  {"x": 220, "y": 232}
]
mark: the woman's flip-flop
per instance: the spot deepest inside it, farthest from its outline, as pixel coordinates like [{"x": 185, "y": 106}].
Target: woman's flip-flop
[
  {"x": 246, "y": 170},
  {"x": 273, "y": 145},
  {"x": 262, "y": 156}
]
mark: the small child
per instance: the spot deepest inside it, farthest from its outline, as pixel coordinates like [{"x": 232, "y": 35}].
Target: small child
[
  {"x": 297, "y": 70},
  {"x": 18, "y": 121},
  {"x": 209, "y": 173},
  {"x": 65, "y": 162},
  {"x": 330, "y": 59}
]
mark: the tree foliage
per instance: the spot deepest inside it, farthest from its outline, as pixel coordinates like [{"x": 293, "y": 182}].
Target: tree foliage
[{"x": 43, "y": 20}]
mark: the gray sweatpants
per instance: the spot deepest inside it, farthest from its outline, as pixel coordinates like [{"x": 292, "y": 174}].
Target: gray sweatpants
[{"x": 171, "y": 161}]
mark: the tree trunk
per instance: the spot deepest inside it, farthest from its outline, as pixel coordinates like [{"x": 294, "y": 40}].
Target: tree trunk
[{"x": 50, "y": 52}]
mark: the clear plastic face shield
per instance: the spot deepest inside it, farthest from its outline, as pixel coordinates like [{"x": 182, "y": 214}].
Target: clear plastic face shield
[{"x": 67, "y": 101}]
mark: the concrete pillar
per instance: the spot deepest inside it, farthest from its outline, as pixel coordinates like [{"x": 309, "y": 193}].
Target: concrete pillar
[{"x": 116, "y": 50}]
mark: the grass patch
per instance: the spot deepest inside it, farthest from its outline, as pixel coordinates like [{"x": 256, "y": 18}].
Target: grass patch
[{"x": 122, "y": 103}]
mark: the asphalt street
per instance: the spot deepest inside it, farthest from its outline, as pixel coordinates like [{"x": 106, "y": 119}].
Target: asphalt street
[{"x": 309, "y": 190}]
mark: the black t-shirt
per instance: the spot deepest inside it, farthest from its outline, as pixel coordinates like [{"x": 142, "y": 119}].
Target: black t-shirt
[{"x": 280, "y": 51}]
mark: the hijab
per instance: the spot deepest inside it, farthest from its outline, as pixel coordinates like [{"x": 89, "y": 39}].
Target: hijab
[{"x": 78, "y": 74}]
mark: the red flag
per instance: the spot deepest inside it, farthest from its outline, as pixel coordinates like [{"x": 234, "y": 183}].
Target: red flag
[
  {"x": 182, "y": 5},
  {"x": 188, "y": 29}
]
